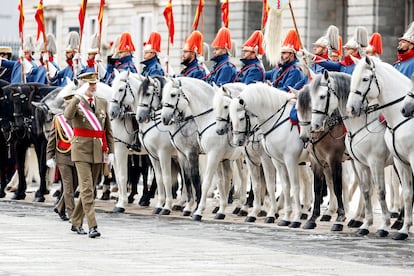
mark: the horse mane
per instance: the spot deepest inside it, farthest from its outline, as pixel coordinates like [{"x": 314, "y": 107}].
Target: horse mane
[
  {"x": 259, "y": 95},
  {"x": 341, "y": 85},
  {"x": 303, "y": 104}
]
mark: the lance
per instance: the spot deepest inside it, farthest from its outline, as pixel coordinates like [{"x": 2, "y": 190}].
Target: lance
[{"x": 300, "y": 40}]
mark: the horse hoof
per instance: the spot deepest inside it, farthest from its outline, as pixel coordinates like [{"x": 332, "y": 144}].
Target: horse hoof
[
  {"x": 118, "y": 210},
  {"x": 77, "y": 194},
  {"x": 310, "y": 224},
  {"x": 220, "y": 216},
  {"x": 262, "y": 213},
  {"x": 165, "y": 212},
  {"x": 283, "y": 223},
  {"x": 250, "y": 219},
  {"x": 156, "y": 211},
  {"x": 356, "y": 224},
  {"x": 236, "y": 210},
  {"x": 130, "y": 200},
  {"x": 177, "y": 208},
  {"x": 381, "y": 233},
  {"x": 105, "y": 195},
  {"x": 2, "y": 194},
  {"x": 398, "y": 224},
  {"x": 362, "y": 232},
  {"x": 270, "y": 220},
  {"x": 19, "y": 196},
  {"x": 337, "y": 227},
  {"x": 351, "y": 223},
  {"x": 186, "y": 213},
  {"x": 215, "y": 210},
  {"x": 400, "y": 236},
  {"x": 144, "y": 203},
  {"x": 394, "y": 215},
  {"x": 39, "y": 199},
  {"x": 294, "y": 224},
  {"x": 304, "y": 216},
  {"x": 326, "y": 218},
  {"x": 197, "y": 217},
  {"x": 57, "y": 193},
  {"x": 242, "y": 213}
]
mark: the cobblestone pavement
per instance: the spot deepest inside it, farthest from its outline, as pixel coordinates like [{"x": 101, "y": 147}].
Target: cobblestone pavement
[{"x": 34, "y": 241}]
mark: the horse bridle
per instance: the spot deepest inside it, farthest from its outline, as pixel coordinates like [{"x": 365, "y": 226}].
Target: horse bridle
[
  {"x": 364, "y": 95},
  {"x": 156, "y": 84},
  {"x": 127, "y": 89},
  {"x": 328, "y": 99}
]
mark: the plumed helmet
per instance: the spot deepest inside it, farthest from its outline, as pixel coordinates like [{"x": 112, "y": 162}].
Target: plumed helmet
[
  {"x": 222, "y": 39},
  {"x": 114, "y": 47},
  {"x": 330, "y": 39},
  {"x": 291, "y": 42},
  {"x": 194, "y": 43},
  {"x": 93, "y": 49},
  {"x": 409, "y": 34},
  {"x": 255, "y": 43},
  {"x": 72, "y": 42},
  {"x": 375, "y": 44},
  {"x": 51, "y": 44},
  {"x": 29, "y": 45},
  {"x": 153, "y": 43},
  {"x": 125, "y": 43},
  {"x": 359, "y": 39}
]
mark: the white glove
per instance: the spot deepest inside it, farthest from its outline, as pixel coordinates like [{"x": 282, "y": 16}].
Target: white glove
[
  {"x": 307, "y": 54},
  {"x": 27, "y": 66},
  {"x": 111, "y": 159},
  {"x": 52, "y": 70},
  {"x": 98, "y": 58},
  {"x": 21, "y": 53},
  {"x": 45, "y": 57},
  {"x": 77, "y": 58},
  {"x": 101, "y": 70},
  {"x": 1, "y": 59},
  {"x": 51, "y": 163}
]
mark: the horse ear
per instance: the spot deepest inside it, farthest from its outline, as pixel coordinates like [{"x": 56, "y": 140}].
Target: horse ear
[
  {"x": 76, "y": 82},
  {"x": 326, "y": 74},
  {"x": 241, "y": 102},
  {"x": 368, "y": 60},
  {"x": 36, "y": 104},
  {"x": 68, "y": 80}
]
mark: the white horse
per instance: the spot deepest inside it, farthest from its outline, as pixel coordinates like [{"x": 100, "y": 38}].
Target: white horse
[
  {"x": 280, "y": 140},
  {"x": 364, "y": 141},
  {"x": 154, "y": 137},
  {"x": 259, "y": 164},
  {"x": 191, "y": 94},
  {"x": 377, "y": 82},
  {"x": 183, "y": 136}
]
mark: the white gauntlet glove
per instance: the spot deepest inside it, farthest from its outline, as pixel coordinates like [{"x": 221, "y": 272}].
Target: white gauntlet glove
[{"x": 51, "y": 163}]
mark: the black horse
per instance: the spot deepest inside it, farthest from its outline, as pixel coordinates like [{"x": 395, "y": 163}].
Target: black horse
[{"x": 21, "y": 131}]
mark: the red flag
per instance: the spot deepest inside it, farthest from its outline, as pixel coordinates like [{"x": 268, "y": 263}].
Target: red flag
[
  {"x": 265, "y": 12},
  {"x": 225, "y": 13},
  {"x": 40, "y": 19},
  {"x": 169, "y": 20},
  {"x": 198, "y": 13},
  {"x": 21, "y": 19},
  {"x": 100, "y": 15},
  {"x": 81, "y": 16}
]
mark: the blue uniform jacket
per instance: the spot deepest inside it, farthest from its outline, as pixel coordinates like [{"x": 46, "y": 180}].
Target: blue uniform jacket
[
  {"x": 406, "y": 67},
  {"x": 60, "y": 78},
  {"x": 38, "y": 74},
  {"x": 193, "y": 70},
  {"x": 125, "y": 63},
  {"x": 152, "y": 67},
  {"x": 222, "y": 72},
  {"x": 251, "y": 72},
  {"x": 286, "y": 75},
  {"x": 6, "y": 69},
  {"x": 346, "y": 66}
]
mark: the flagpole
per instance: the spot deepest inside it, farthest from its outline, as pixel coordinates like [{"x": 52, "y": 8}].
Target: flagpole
[
  {"x": 300, "y": 40},
  {"x": 168, "y": 55},
  {"x": 21, "y": 25}
]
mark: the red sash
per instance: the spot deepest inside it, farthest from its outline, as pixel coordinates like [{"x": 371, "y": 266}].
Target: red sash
[{"x": 90, "y": 133}]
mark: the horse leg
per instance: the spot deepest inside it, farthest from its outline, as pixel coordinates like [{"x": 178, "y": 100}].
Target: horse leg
[
  {"x": 243, "y": 188},
  {"x": 319, "y": 182},
  {"x": 255, "y": 173},
  {"x": 284, "y": 179},
  {"x": 406, "y": 176},
  {"x": 305, "y": 190},
  {"x": 211, "y": 167},
  {"x": 40, "y": 148},
  {"x": 366, "y": 190},
  {"x": 269, "y": 172},
  {"x": 121, "y": 173},
  {"x": 166, "y": 163},
  {"x": 134, "y": 174},
  {"x": 193, "y": 162},
  {"x": 336, "y": 173},
  {"x": 377, "y": 174},
  {"x": 20, "y": 149}
]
